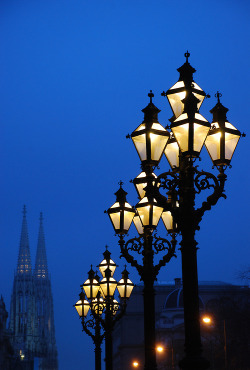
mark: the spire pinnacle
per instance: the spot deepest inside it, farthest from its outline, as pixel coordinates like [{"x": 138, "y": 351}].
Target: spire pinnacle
[
  {"x": 41, "y": 268},
  {"x": 24, "y": 260}
]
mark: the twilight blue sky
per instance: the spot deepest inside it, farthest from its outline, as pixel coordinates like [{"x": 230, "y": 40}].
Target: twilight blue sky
[{"x": 74, "y": 76}]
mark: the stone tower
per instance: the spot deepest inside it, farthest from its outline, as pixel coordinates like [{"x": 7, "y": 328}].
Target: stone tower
[{"x": 31, "y": 312}]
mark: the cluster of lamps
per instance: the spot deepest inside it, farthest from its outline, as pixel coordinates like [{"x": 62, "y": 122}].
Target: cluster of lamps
[
  {"x": 182, "y": 144},
  {"x": 98, "y": 297}
]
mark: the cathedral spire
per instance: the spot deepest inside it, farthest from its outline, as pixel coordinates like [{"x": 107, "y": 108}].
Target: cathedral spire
[
  {"x": 41, "y": 267},
  {"x": 24, "y": 260}
]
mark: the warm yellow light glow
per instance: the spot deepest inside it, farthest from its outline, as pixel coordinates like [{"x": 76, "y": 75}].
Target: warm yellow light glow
[
  {"x": 159, "y": 349},
  {"x": 207, "y": 320},
  {"x": 135, "y": 364}
]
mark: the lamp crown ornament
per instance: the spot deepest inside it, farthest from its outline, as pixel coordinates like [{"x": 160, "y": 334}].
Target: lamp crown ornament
[
  {"x": 219, "y": 112},
  {"x": 121, "y": 193},
  {"x": 107, "y": 254},
  {"x": 91, "y": 273},
  {"x": 186, "y": 71},
  {"x": 125, "y": 273},
  {"x": 150, "y": 111}
]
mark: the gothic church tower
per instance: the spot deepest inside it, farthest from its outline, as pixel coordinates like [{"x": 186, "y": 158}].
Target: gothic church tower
[{"x": 31, "y": 312}]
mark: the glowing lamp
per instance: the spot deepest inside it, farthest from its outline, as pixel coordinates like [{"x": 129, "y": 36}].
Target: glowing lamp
[
  {"x": 179, "y": 90},
  {"x": 141, "y": 182},
  {"x": 168, "y": 221},
  {"x": 107, "y": 262},
  {"x": 190, "y": 128},
  {"x": 121, "y": 212},
  {"x": 223, "y": 137},
  {"x": 149, "y": 212},
  {"x": 82, "y": 306},
  {"x": 108, "y": 284},
  {"x": 91, "y": 285},
  {"x": 125, "y": 285},
  {"x": 150, "y": 137}
]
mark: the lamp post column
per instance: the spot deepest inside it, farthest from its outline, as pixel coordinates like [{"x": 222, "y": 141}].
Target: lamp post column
[
  {"x": 193, "y": 347},
  {"x": 149, "y": 303},
  {"x": 108, "y": 336},
  {"x": 98, "y": 342}
]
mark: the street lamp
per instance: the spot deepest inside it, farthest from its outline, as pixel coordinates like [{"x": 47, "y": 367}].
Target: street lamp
[
  {"x": 207, "y": 320},
  {"x": 172, "y": 197},
  {"x": 101, "y": 296}
]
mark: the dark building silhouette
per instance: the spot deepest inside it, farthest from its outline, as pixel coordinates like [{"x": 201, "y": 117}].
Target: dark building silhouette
[
  {"x": 226, "y": 340},
  {"x": 31, "y": 327}
]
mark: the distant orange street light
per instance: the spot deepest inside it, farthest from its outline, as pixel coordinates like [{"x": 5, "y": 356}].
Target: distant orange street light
[
  {"x": 159, "y": 349},
  {"x": 135, "y": 364},
  {"x": 206, "y": 319}
]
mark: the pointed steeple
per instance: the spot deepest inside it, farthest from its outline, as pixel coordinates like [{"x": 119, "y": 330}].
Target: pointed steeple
[
  {"x": 24, "y": 260},
  {"x": 41, "y": 267}
]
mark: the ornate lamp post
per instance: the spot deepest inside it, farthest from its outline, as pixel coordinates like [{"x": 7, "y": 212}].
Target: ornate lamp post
[
  {"x": 177, "y": 205},
  {"x": 102, "y": 302}
]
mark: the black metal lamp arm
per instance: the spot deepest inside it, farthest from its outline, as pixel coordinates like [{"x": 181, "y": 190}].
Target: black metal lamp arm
[
  {"x": 135, "y": 245},
  {"x": 218, "y": 186},
  {"x": 167, "y": 257}
]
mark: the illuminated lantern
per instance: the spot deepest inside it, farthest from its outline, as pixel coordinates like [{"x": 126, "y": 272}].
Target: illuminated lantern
[
  {"x": 178, "y": 92},
  {"x": 223, "y": 137},
  {"x": 121, "y": 212},
  {"x": 190, "y": 128},
  {"x": 150, "y": 137},
  {"x": 82, "y": 306}
]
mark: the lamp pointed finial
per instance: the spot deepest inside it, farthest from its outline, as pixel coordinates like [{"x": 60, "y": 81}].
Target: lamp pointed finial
[
  {"x": 187, "y": 55},
  {"x": 150, "y": 95},
  {"x": 218, "y": 95},
  {"x": 120, "y": 183}
]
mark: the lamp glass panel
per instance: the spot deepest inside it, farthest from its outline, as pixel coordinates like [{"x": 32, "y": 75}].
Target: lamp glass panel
[
  {"x": 229, "y": 125},
  {"x": 140, "y": 144},
  {"x": 116, "y": 219},
  {"x": 231, "y": 142},
  {"x": 158, "y": 126},
  {"x": 175, "y": 99},
  {"x": 172, "y": 154},
  {"x": 157, "y": 211},
  {"x": 138, "y": 224},
  {"x": 200, "y": 117},
  {"x": 158, "y": 143},
  {"x": 128, "y": 218},
  {"x": 212, "y": 144},
  {"x": 181, "y": 134},
  {"x": 144, "y": 211},
  {"x": 167, "y": 219},
  {"x": 200, "y": 134},
  {"x": 91, "y": 288}
]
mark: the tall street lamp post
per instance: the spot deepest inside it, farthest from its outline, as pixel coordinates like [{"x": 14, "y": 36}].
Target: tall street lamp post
[
  {"x": 101, "y": 302},
  {"x": 177, "y": 206}
]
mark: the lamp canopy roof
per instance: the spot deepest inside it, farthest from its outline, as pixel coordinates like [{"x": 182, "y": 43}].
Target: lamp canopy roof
[
  {"x": 121, "y": 194},
  {"x": 151, "y": 111},
  {"x": 186, "y": 70},
  {"x": 219, "y": 112}
]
